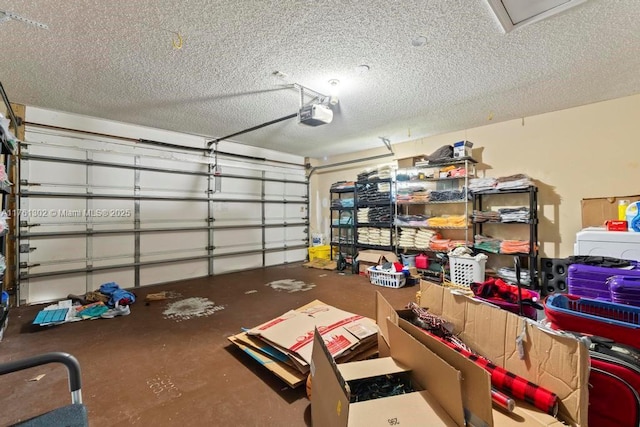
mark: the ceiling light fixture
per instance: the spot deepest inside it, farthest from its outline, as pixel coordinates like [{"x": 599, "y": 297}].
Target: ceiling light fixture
[
  {"x": 333, "y": 91},
  {"x": 362, "y": 69},
  {"x": 419, "y": 41}
]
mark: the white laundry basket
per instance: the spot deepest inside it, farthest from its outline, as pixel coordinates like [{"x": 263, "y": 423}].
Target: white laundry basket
[
  {"x": 465, "y": 271},
  {"x": 386, "y": 278}
]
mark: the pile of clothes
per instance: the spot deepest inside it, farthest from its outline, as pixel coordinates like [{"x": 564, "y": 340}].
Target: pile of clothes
[
  {"x": 486, "y": 216},
  {"x": 382, "y": 172},
  {"x": 408, "y": 237},
  {"x": 487, "y": 243},
  {"x": 512, "y": 182},
  {"x": 375, "y": 236},
  {"x": 343, "y": 185},
  {"x": 424, "y": 238},
  {"x": 346, "y": 202},
  {"x": 412, "y": 220},
  {"x": 478, "y": 185},
  {"x": 509, "y": 274},
  {"x": 515, "y": 247},
  {"x": 520, "y": 214},
  {"x": 448, "y": 195}
]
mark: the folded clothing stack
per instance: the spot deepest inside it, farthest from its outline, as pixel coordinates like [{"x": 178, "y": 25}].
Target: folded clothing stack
[
  {"x": 382, "y": 172},
  {"x": 477, "y": 185},
  {"x": 513, "y": 182},
  {"x": 484, "y": 216},
  {"x": 447, "y": 195},
  {"x": 413, "y": 220},
  {"x": 408, "y": 237},
  {"x": 514, "y": 214},
  {"x": 487, "y": 243},
  {"x": 380, "y": 214},
  {"x": 509, "y": 274},
  {"x": 515, "y": 246},
  {"x": 385, "y": 237},
  {"x": 363, "y": 215},
  {"x": 346, "y": 202},
  {"x": 456, "y": 221},
  {"x": 374, "y": 192},
  {"x": 424, "y": 237},
  {"x": 440, "y": 245},
  {"x": 369, "y": 236},
  {"x": 343, "y": 185}
]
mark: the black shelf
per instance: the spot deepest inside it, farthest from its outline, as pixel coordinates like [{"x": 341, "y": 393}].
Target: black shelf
[
  {"x": 508, "y": 191},
  {"x": 374, "y": 181},
  {"x": 365, "y": 246},
  {"x": 375, "y": 224},
  {"x": 522, "y": 254},
  {"x": 375, "y": 204},
  {"x": 342, "y": 190},
  {"x": 532, "y": 194},
  {"x": 343, "y": 236},
  {"x": 434, "y": 179},
  {"x": 529, "y": 222}
]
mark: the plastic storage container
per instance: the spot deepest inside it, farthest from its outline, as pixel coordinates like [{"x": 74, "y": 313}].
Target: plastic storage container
[
  {"x": 319, "y": 252},
  {"x": 618, "y": 322},
  {"x": 422, "y": 262},
  {"x": 600, "y": 242},
  {"x": 465, "y": 271},
  {"x": 408, "y": 260}
]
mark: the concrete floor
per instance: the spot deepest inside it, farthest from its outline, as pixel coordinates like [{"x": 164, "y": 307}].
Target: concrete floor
[{"x": 145, "y": 369}]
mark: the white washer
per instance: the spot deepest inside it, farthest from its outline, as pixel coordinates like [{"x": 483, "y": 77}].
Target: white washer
[{"x": 598, "y": 241}]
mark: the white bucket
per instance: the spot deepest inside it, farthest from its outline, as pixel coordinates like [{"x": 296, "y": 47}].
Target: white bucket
[{"x": 317, "y": 239}]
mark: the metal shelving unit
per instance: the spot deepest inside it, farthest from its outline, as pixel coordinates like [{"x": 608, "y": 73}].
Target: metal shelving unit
[
  {"x": 419, "y": 174},
  {"x": 343, "y": 236},
  {"x": 7, "y": 152},
  {"x": 388, "y": 202},
  {"x": 479, "y": 200}
]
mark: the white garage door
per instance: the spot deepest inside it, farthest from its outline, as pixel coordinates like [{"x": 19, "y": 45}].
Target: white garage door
[{"x": 95, "y": 209}]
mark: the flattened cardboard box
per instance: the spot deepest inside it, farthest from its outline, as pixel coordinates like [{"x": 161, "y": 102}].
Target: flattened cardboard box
[
  {"x": 596, "y": 211},
  {"x": 437, "y": 401},
  {"x": 557, "y": 363},
  {"x": 292, "y": 332}
]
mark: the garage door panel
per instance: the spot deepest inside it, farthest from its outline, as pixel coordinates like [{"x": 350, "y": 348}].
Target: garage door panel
[
  {"x": 56, "y": 173},
  {"x": 238, "y": 238},
  {"x": 42, "y": 290},
  {"x": 112, "y": 177},
  {"x": 123, "y": 277},
  {"x": 237, "y": 186},
  {"x": 173, "y": 212},
  {"x": 103, "y": 246},
  {"x": 228, "y": 264},
  {"x": 229, "y": 213},
  {"x": 173, "y": 241},
  {"x": 150, "y": 275},
  {"x": 56, "y": 249},
  {"x": 194, "y": 184}
]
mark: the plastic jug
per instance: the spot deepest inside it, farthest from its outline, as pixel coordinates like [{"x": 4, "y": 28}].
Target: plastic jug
[
  {"x": 422, "y": 262},
  {"x": 633, "y": 216}
]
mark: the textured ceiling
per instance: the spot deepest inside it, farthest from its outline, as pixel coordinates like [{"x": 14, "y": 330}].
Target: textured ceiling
[{"x": 115, "y": 59}]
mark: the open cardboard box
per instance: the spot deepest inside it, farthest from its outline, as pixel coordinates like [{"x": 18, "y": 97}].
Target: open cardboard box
[
  {"x": 597, "y": 210},
  {"x": 373, "y": 257},
  {"x": 436, "y": 402},
  {"x": 557, "y": 363}
]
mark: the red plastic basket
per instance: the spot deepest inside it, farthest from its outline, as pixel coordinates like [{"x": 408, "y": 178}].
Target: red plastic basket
[{"x": 618, "y": 322}]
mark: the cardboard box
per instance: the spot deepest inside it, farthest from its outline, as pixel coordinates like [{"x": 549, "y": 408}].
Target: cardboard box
[
  {"x": 436, "y": 402},
  {"x": 462, "y": 149},
  {"x": 595, "y": 211},
  {"x": 373, "y": 257},
  {"x": 557, "y": 363},
  {"x": 292, "y": 332}
]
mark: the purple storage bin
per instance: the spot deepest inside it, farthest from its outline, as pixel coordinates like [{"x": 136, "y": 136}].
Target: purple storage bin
[{"x": 592, "y": 282}]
